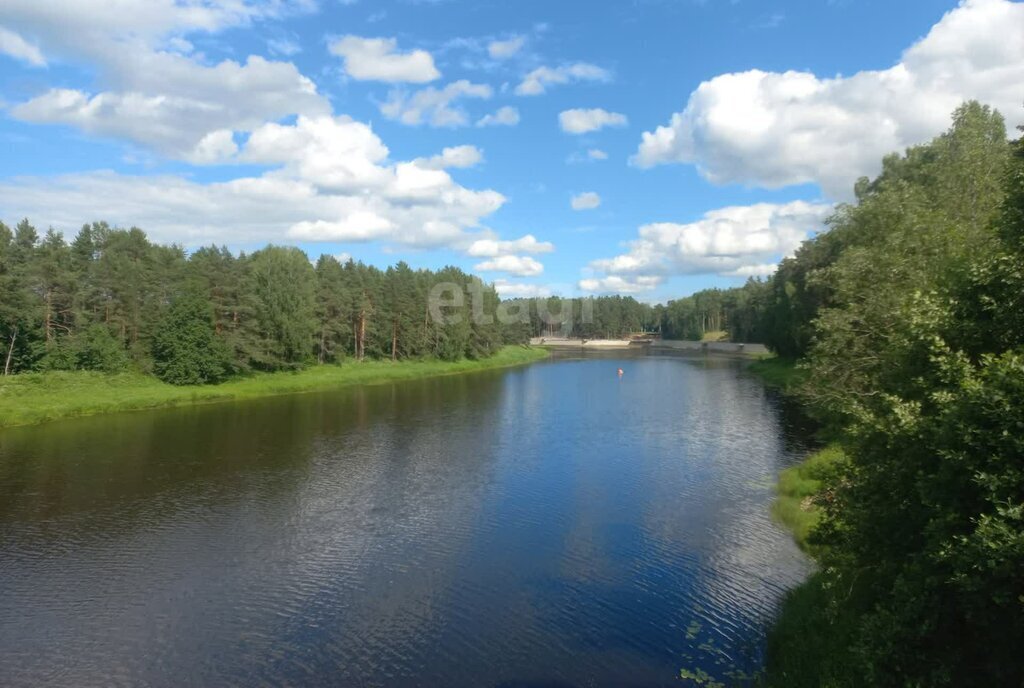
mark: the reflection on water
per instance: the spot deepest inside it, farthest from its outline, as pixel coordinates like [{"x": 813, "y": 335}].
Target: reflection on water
[{"x": 547, "y": 526}]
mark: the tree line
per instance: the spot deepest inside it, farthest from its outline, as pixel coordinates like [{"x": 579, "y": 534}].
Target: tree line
[
  {"x": 908, "y": 315},
  {"x": 112, "y": 300}
]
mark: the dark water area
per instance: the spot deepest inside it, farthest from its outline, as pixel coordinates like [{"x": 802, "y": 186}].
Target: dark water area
[{"x": 554, "y": 525}]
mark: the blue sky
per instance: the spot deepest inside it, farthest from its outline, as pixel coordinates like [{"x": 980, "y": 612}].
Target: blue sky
[{"x": 651, "y": 148}]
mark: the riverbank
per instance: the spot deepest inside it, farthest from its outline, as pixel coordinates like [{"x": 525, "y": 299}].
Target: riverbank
[
  {"x": 809, "y": 644},
  {"x": 781, "y": 373},
  {"x": 41, "y": 397}
]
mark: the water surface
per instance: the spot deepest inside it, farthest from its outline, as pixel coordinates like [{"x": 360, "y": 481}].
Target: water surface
[{"x": 554, "y": 525}]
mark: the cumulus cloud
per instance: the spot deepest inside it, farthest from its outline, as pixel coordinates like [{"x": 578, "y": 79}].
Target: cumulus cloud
[
  {"x": 137, "y": 20},
  {"x": 597, "y": 154},
  {"x": 378, "y": 59},
  {"x": 489, "y": 248},
  {"x": 160, "y": 95},
  {"x": 434, "y": 106},
  {"x": 456, "y": 156},
  {"x": 328, "y": 177},
  {"x": 521, "y": 290},
  {"x": 587, "y": 200},
  {"x": 734, "y": 241},
  {"x": 181, "y": 102},
  {"x": 776, "y": 129},
  {"x": 330, "y": 181},
  {"x": 538, "y": 81},
  {"x": 13, "y": 45},
  {"x": 615, "y": 284},
  {"x": 501, "y": 50},
  {"x": 524, "y": 266},
  {"x": 584, "y": 121},
  {"x": 506, "y": 116}
]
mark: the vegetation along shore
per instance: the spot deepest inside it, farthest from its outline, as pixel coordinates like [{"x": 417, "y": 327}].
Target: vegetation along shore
[{"x": 40, "y": 397}]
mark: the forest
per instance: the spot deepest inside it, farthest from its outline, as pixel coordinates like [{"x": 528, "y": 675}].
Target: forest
[
  {"x": 112, "y": 300},
  {"x": 908, "y": 319}
]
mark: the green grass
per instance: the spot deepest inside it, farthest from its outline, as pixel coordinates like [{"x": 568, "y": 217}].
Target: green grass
[
  {"x": 782, "y": 373},
  {"x": 41, "y": 397},
  {"x": 810, "y": 643},
  {"x": 797, "y": 487}
]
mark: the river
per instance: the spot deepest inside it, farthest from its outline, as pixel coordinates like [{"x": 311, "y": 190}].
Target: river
[{"x": 554, "y": 525}]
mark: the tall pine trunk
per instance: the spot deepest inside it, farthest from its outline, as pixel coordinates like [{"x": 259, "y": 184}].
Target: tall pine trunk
[
  {"x": 10, "y": 352},
  {"x": 362, "y": 334}
]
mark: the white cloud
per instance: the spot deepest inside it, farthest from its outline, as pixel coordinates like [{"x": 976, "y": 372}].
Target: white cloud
[
  {"x": 360, "y": 225},
  {"x": 734, "y": 241},
  {"x": 137, "y": 20},
  {"x": 329, "y": 177},
  {"x": 587, "y": 200},
  {"x": 614, "y": 284},
  {"x": 174, "y": 108},
  {"x": 584, "y": 121},
  {"x": 504, "y": 116},
  {"x": 456, "y": 156},
  {"x": 214, "y": 147},
  {"x": 434, "y": 106},
  {"x": 756, "y": 270},
  {"x": 160, "y": 94},
  {"x": 537, "y": 81},
  {"x": 489, "y": 248},
  {"x": 284, "y": 46},
  {"x": 520, "y": 290},
  {"x": 501, "y": 50},
  {"x": 331, "y": 181},
  {"x": 15, "y": 46},
  {"x": 524, "y": 266},
  {"x": 775, "y": 129},
  {"x": 378, "y": 59},
  {"x": 591, "y": 155}
]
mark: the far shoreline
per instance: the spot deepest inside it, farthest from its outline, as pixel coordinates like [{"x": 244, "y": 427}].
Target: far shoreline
[{"x": 36, "y": 398}]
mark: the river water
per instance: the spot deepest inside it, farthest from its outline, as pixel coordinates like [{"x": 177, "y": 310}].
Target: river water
[{"x": 555, "y": 525}]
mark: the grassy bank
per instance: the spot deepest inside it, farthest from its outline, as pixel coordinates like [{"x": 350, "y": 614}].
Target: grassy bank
[
  {"x": 810, "y": 643},
  {"x": 40, "y": 397},
  {"x": 782, "y": 373},
  {"x": 794, "y": 503}
]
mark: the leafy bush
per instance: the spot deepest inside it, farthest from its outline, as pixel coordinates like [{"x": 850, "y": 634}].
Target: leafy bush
[
  {"x": 186, "y": 349},
  {"x": 97, "y": 349}
]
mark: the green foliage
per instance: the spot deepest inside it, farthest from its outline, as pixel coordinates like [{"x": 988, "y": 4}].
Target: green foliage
[
  {"x": 810, "y": 644},
  {"x": 39, "y": 397},
  {"x": 270, "y": 310},
  {"x": 97, "y": 349},
  {"x": 281, "y": 284},
  {"x": 800, "y": 491},
  {"x": 782, "y": 373},
  {"x": 735, "y": 314},
  {"x": 917, "y": 351},
  {"x": 186, "y": 349}
]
